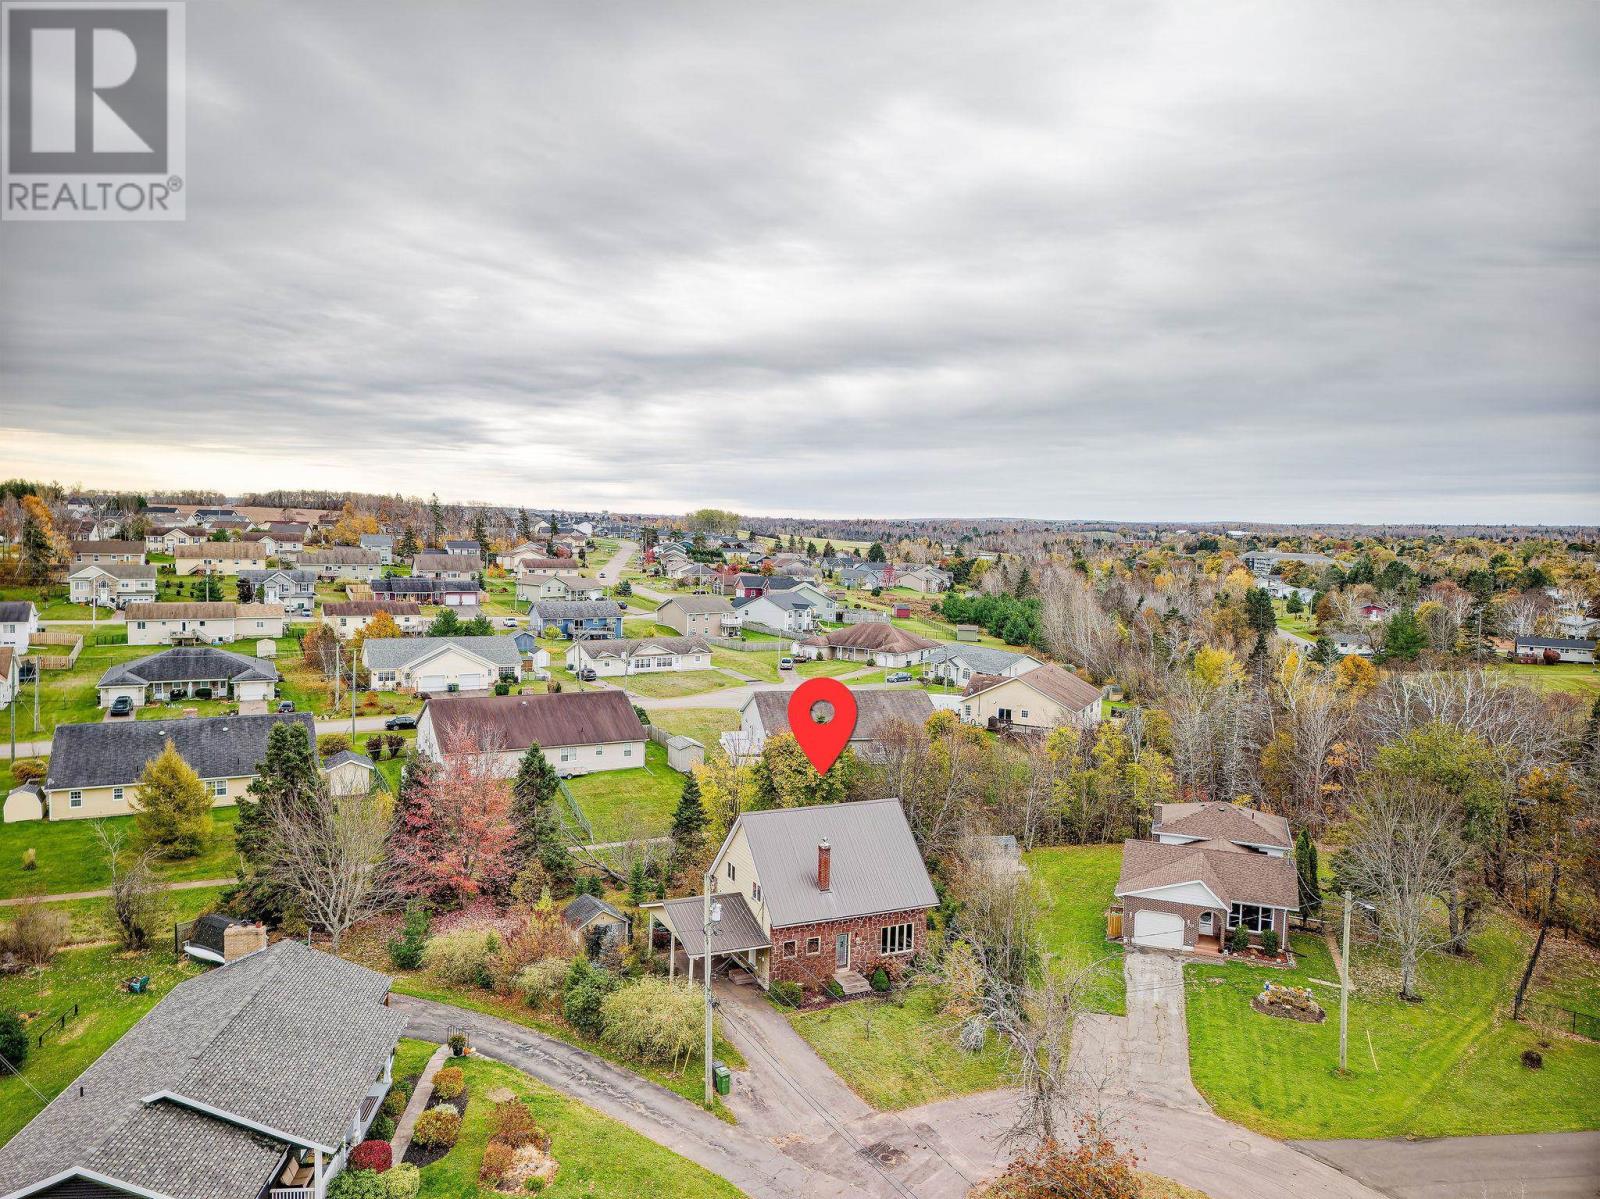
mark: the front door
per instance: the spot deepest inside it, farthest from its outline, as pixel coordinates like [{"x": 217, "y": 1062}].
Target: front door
[
  {"x": 1207, "y": 923},
  {"x": 841, "y": 951}
]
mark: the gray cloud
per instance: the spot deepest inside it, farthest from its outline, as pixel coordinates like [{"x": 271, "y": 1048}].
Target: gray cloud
[{"x": 1158, "y": 260}]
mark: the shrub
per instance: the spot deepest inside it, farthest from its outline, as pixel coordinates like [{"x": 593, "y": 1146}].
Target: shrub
[
  {"x": 403, "y": 1182},
  {"x": 28, "y": 770},
  {"x": 332, "y": 743},
  {"x": 449, "y": 1082},
  {"x": 396, "y": 744},
  {"x": 787, "y": 993},
  {"x": 501, "y": 687},
  {"x": 1270, "y": 941},
  {"x": 584, "y": 995},
  {"x": 832, "y": 987},
  {"x": 382, "y": 1127},
  {"x": 460, "y": 958},
  {"x": 30, "y": 859},
  {"x": 405, "y": 951},
  {"x": 458, "y": 1044},
  {"x": 514, "y": 1124},
  {"x": 497, "y": 1157},
  {"x": 1239, "y": 939},
  {"x": 372, "y": 1155},
  {"x": 437, "y": 1128},
  {"x": 36, "y": 933},
  {"x": 358, "y": 1184},
  {"x": 375, "y": 745},
  {"x": 542, "y": 983},
  {"x": 534, "y": 1185},
  {"x": 1533, "y": 1059},
  {"x": 880, "y": 980},
  {"x": 653, "y": 1020},
  {"x": 13, "y": 1039},
  {"x": 394, "y": 1103}
]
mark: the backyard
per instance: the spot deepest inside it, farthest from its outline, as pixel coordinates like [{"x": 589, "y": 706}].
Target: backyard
[
  {"x": 69, "y": 858},
  {"x": 705, "y": 725},
  {"x": 1075, "y": 884},
  {"x": 627, "y": 805},
  {"x": 1574, "y": 678}
]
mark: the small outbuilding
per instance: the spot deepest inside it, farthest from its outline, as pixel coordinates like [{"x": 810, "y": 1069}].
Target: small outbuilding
[
  {"x": 24, "y": 803},
  {"x": 589, "y": 917},
  {"x": 350, "y": 773}
]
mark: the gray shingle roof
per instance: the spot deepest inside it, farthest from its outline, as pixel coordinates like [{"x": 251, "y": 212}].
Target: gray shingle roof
[
  {"x": 113, "y": 755},
  {"x": 433, "y": 560},
  {"x": 627, "y": 647},
  {"x": 393, "y": 653},
  {"x": 699, "y": 603},
  {"x": 286, "y": 1039},
  {"x": 117, "y": 570},
  {"x": 1555, "y": 643},
  {"x": 190, "y": 664},
  {"x": 875, "y": 865},
  {"x": 553, "y": 610},
  {"x": 982, "y": 659},
  {"x": 15, "y": 611},
  {"x": 585, "y": 908},
  {"x": 553, "y": 719},
  {"x": 874, "y": 710}
]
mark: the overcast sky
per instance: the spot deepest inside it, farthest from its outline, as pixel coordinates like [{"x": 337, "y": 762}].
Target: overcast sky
[{"x": 1277, "y": 261}]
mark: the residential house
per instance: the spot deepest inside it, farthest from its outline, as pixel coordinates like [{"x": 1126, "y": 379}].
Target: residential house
[
  {"x": 883, "y": 645},
  {"x": 1207, "y": 868},
  {"x": 810, "y": 895},
  {"x": 699, "y": 615},
  {"x": 537, "y": 585},
  {"x": 956, "y": 663},
  {"x": 180, "y": 535},
  {"x": 95, "y": 768},
  {"x": 450, "y": 593},
  {"x": 467, "y": 548},
  {"x": 1045, "y": 697},
  {"x": 342, "y": 562},
  {"x": 824, "y": 605},
  {"x": 575, "y": 619},
  {"x": 438, "y": 665},
  {"x": 294, "y": 588},
  {"x": 530, "y": 555},
  {"x": 220, "y": 939},
  {"x": 580, "y": 732},
  {"x": 1565, "y": 649},
  {"x": 9, "y": 675},
  {"x": 607, "y": 656},
  {"x": 381, "y": 544},
  {"x": 250, "y": 1081},
  {"x": 290, "y": 537},
  {"x": 693, "y": 574},
  {"x": 782, "y": 612},
  {"x": 1354, "y": 641},
  {"x": 766, "y": 714},
  {"x": 744, "y": 585},
  {"x": 1373, "y": 613},
  {"x": 455, "y": 568},
  {"x": 220, "y": 518},
  {"x": 185, "y": 672},
  {"x": 349, "y": 617},
  {"x": 929, "y": 580},
  {"x": 218, "y": 557},
  {"x": 19, "y": 621},
  {"x": 1577, "y": 626},
  {"x": 868, "y": 575},
  {"x": 594, "y": 923},
  {"x": 111, "y": 586},
  {"x": 1265, "y": 562},
  {"x": 104, "y": 553},
  {"x": 199, "y": 623}
]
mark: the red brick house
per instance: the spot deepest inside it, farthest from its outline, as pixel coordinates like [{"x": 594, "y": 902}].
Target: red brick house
[
  {"x": 1207, "y": 869},
  {"x": 811, "y": 894}
]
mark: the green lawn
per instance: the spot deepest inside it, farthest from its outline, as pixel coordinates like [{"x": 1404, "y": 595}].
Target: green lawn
[
  {"x": 51, "y": 602},
  {"x": 669, "y": 683},
  {"x": 760, "y": 665},
  {"x": 1448, "y": 1066},
  {"x": 623, "y": 805},
  {"x": 1075, "y": 884},
  {"x": 69, "y": 857},
  {"x": 1302, "y": 624},
  {"x": 900, "y": 1056},
  {"x": 830, "y": 667},
  {"x": 92, "y": 921},
  {"x": 705, "y": 725},
  {"x": 597, "y": 1156},
  {"x": 91, "y": 979},
  {"x": 1575, "y": 678}
]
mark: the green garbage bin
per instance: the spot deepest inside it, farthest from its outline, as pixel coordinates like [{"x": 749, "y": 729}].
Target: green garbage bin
[{"x": 721, "y": 1078}]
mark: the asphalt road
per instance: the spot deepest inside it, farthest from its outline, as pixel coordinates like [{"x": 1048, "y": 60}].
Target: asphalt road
[{"x": 1563, "y": 1165}]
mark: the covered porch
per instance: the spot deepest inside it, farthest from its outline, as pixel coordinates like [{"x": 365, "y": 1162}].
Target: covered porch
[{"x": 736, "y": 934}]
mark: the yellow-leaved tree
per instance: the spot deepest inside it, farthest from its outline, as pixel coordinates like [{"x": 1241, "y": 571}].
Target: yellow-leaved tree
[{"x": 172, "y": 807}]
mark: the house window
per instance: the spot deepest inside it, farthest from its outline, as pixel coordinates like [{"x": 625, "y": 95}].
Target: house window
[
  {"x": 219, "y": 787},
  {"x": 74, "y": 799},
  {"x": 569, "y": 755},
  {"x": 627, "y": 753},
  {"x": 1251, "y": 916},
  {"x": 733, "y": 873},
  {"x": 1024, "y": 713},
  {"x": 813, "y": 946},
  {"x": 896, "y": 938},
  {"x": 789, "y": 949},
  {"x": 116, "y": 794}
]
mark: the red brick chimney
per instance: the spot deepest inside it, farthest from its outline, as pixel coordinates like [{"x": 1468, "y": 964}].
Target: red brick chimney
[{"x": 824, "y": 864}]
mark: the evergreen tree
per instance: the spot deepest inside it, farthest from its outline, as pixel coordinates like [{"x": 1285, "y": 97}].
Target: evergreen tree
[
  {"x": 289, "y": 770},
  {"x": 1258, "y": 611},
  {"x": 533, "y": 812},
  {"x": 407, "y": 549},
  {"x": 480, "y": 533},
  {"x": 1305, "y": 863},
  {"x": 436, "y": 516},
  {"x": 875, "y": 553},
  {"x": 828, "y": 551},
  {"x": 688, "y": 824},
  {"x": 446, "y": 624},
  {"x": 636, "y": 880},
  {"x": 247, "y": 591},
  {"x": 1293, "y": 605},
  {"x": 524, "y": 525},
  {"x": 1404, "y": 638}
]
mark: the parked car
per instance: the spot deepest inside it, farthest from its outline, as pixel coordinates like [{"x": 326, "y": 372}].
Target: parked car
[
  {"x": 122, "y": 706},
  {"x": 899, "y": 676},
  {"x": 406, "y": 720},
  {"x": 587, "y": 674},
  {"x": 785, "y": 663},
  {"x": 508, "y": 622},
  {"x": 286, "y": 705}
]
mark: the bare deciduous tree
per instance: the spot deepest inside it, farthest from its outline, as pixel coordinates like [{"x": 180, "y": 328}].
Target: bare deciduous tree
[
  {"x": 138, "y": 902},
  {"x": 332, "y": 863}
]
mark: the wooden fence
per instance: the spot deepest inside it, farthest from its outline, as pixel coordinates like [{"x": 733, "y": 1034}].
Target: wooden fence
[{"x": 57, "y": 661}]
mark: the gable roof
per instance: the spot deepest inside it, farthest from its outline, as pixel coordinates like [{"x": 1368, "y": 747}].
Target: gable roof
[
  {"x": 318, "y": 1020},
  {"x": 550, "y": 610},
  {"x": 222, "y": 549},
  {"x": 1222, "y": 821},
  {"x": 982, "y": 659},
  {"x": 874, "y": 863},
  {"x": 563, "y": 718},
  {"x": 80, "y": 548},
  {"x": 372, "y": 607},
  {"x": 113, "y": 755},
  {"x": 874, "y": 710},
  {"x": 1232, "y": 874},
  {"x": 432, "y": 560},
  {"x": 627, "y": 647},
  {"x": 1048, "y": 680},
  {"x": 16, "y": 611},
  {"x": 880, "y": 637},
  {"x": 200, "y": 610},
  {"x": 190, "y": 663},
  {"x": 343, "y": 555},
  {"x": 585, "y": 908},
  {"x": 395, "y": 653},
  {"x": 116, "y": 570}
]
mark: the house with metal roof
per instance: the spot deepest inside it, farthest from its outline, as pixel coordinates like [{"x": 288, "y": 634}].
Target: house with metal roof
[
  {"x": 253, "y": 1079},
  {"x": 95, "y": 768},
  {"x": 184, "y": 672},
  {"x": 438, "y": 665},
  {"x": 808, "y": 895}
]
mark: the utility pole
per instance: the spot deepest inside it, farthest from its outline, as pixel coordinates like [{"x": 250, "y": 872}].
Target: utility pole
[
  {"x": 713, "y": 913},
  {"x": 352, "y": 697},
  {"x": 1344, "y": 992}
]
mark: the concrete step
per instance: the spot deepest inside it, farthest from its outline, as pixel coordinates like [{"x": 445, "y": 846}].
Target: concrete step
[{"x": 853, "y": 983}]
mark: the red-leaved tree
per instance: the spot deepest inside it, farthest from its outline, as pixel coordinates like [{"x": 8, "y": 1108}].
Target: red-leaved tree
[{"x": 453, "y": 836}]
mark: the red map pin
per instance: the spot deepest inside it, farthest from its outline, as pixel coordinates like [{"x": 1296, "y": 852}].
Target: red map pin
[{"x": 822, "y": 743}]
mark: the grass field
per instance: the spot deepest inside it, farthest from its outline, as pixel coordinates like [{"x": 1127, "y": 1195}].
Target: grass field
[
  {"x": 1448, "y": 1066},
  {"x": 91, "y": 979},
  {"x": 623, "y": 805},
  {"x": 597, "y": 1156},
  {"x": 69, "y": 857},
  {"x": 1575, "y": 678},
  {"x": 1075, "y": 884},
  {"x": 668, "y": 683},
  {"x": 761, "y": 665},
  {"x": 900, "y": 1056},
  {"x": 1302, "y": 624},
  {"x": 705, "y": 725},
  {"x": 93, "y": 923}
]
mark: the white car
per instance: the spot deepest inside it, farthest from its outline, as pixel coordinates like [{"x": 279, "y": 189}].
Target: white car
[{"x": 508, "y": 622}]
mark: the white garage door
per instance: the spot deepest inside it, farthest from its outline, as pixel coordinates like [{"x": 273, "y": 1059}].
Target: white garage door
[
  {"x": 1158, "y": 930},
  {"x": 432, "y": 683}
]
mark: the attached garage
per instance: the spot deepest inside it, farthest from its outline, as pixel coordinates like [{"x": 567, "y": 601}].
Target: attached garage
[{"x": 1157, "y": 930}]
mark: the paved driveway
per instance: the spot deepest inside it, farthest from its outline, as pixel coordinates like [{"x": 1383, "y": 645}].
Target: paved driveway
[{"x": 1564, "y": 1165}]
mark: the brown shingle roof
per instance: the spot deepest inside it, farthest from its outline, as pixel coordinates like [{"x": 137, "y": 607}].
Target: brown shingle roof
[
  {"x": 466, "y": 563},
  {"x": 107, "y": 547},
  {"x": 222, "y": 549},
  {"x": 181, "y": 611},
  {"x": 880, "y": 637},
  {"x": 874, "y": 710},
  {"x": 1050, "y": 681},
  {"x": 344, "y": 555},
  {"x": 1223, "y": 821},
  {"x": 1234, "y": 875},
  {"x": 373, "y": 607},
  {"x": 564, "y": 718}
]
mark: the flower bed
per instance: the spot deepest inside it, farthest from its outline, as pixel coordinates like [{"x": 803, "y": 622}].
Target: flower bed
[
  {"x": 420, "y": 1155},
  {"x": 1288, "y": 1003}
]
